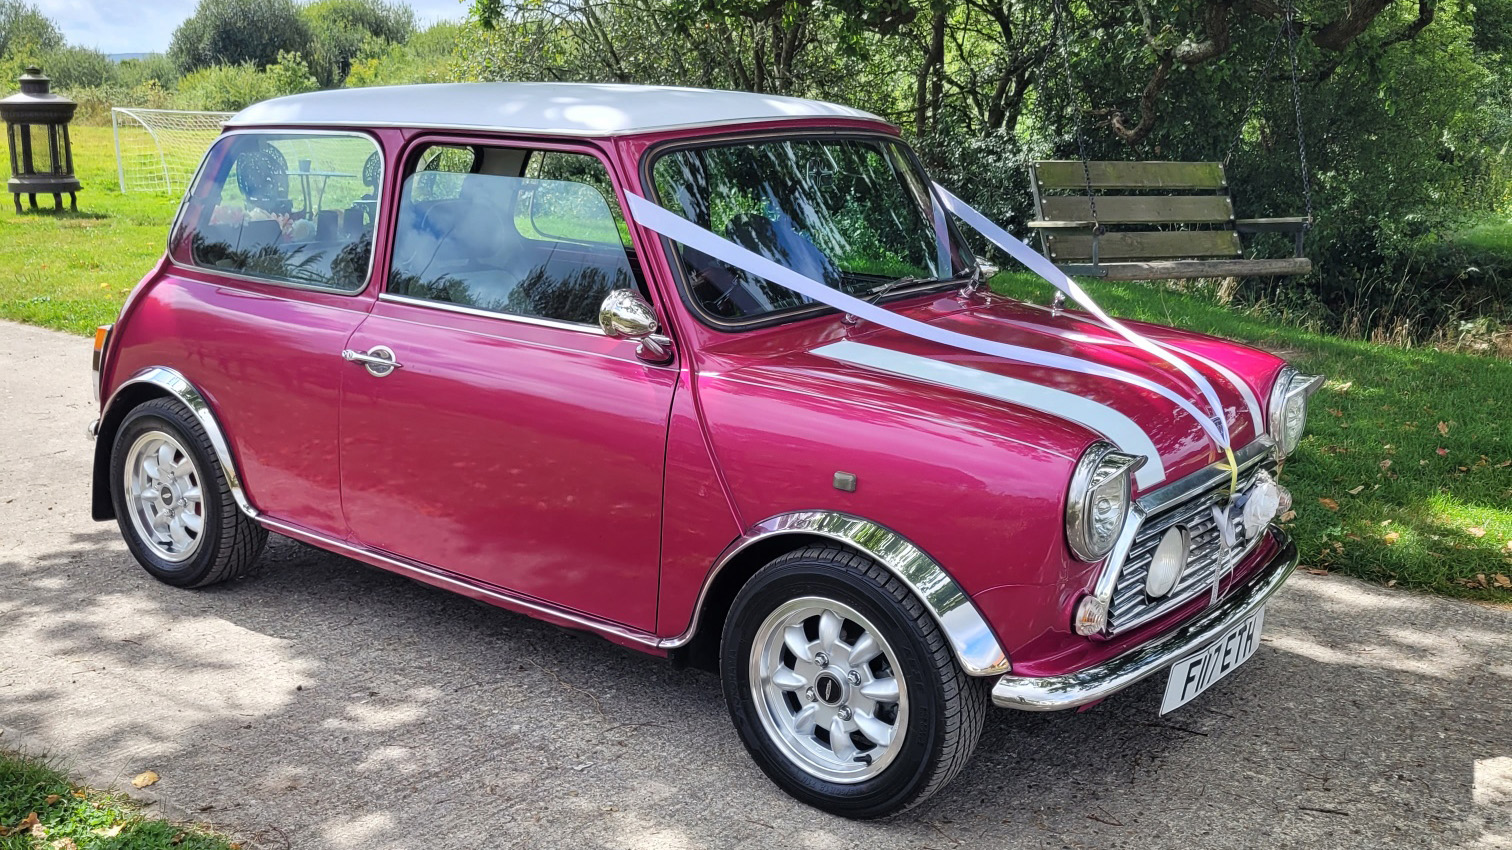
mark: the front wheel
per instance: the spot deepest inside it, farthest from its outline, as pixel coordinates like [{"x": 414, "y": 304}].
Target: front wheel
[{"x": 842, "y": 686}]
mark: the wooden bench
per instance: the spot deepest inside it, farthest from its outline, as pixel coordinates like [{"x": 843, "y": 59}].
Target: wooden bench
[{"x": 1154, "y": 221}]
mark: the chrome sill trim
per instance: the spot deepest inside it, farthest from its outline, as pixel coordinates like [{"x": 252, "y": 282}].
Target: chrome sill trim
[
  {"x": 1054, "y": 693},
  {"x": 447, "y": 581},
  {"x": 1158, "y": 500},
  {"x": 489, "y": 314}
]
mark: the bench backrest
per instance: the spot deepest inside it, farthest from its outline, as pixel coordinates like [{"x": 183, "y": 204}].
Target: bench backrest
[{"x": 1151, "y": 208}]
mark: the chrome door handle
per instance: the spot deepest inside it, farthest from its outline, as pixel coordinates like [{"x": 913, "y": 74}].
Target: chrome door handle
[{"x": 379, "y": 360}]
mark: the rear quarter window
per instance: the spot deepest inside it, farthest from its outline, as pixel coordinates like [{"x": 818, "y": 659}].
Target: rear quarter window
[{"x": 295, "y": 208}]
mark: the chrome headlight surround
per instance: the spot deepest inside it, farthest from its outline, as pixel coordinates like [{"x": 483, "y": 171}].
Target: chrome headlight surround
[
  {"x": 1098, "y": 501},
  {"x": 1286, "y": 413}
]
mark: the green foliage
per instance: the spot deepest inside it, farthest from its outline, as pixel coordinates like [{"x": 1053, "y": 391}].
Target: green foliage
[
  {"x": 71, "y": 67},
  {"x": 26, "y": 33},
  {"x": 234, "y": 32},
  {"x": 428, "y": 56},
  {"x": 224, "y": 88},
  {"x": 152, "y": 68},
  {"x": 340, "y": 31}
]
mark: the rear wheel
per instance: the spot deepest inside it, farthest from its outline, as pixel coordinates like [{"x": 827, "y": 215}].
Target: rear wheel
[
  {"x": 172, "y": 501},
  {"x": 842, "y": 686}
]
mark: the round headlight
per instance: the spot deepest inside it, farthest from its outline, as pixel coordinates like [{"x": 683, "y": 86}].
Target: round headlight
[
  {"x": 1293, "y": 421},
  {"x": 1170, "y": 559},
  {"x": 1098, "y": 501},
  {"x": 1288, "y": 409}
]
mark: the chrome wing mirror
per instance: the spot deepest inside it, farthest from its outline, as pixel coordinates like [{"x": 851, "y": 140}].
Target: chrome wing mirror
[{"x": 626, "y": 315}]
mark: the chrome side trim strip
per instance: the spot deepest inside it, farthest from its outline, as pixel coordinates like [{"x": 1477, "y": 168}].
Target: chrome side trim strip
[
  {"x": 458, "y": 584},
  {"x": 179, "y": 387},
  {"x": 1053, "y": 693},
  {"x": 394, "y": 298},
  {"x": 973, "y": 642}
]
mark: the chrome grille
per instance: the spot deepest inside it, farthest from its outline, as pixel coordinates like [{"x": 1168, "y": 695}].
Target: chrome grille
[{"x": 1206, "y": 558}]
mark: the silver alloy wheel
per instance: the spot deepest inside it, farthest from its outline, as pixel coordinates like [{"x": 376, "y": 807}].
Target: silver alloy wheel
[
  {"x": 164, "y": 497},
  {"x": 827, "y": 688}
]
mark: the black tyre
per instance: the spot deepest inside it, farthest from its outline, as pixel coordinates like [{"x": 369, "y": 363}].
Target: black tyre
[
  {"x": 172, "y": 502},
  {"x": 842, "y": 686}
]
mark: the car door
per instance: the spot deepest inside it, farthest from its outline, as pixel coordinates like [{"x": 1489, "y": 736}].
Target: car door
[{"x": 513, "y": 442}]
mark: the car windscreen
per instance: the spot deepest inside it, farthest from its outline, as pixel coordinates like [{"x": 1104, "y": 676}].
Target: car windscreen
[{"x": 853, "y": 213}]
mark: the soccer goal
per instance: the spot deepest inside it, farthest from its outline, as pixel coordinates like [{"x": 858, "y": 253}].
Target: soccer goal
[{"x": 158, "y": 150}]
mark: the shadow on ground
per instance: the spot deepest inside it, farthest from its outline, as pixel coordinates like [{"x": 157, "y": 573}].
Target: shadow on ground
[{"x": 327, "y": 704}]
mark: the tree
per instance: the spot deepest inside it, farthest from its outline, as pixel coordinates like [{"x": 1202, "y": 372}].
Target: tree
[
  {"x": 340, "y": 30},
  {"x": 23, "y": 28},
  {"x": 232, "y": 32}
]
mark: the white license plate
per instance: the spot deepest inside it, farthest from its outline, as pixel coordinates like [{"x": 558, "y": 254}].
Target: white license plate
[{"x": 1195, "y": 674}]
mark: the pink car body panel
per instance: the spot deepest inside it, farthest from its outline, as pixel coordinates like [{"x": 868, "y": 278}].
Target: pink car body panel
[{"x": 558, "y": 466}]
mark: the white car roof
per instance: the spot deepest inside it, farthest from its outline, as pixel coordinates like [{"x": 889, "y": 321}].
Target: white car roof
[{"x": 578, "y": 109}]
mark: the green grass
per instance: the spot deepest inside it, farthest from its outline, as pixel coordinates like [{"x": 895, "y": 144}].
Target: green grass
[
  {"x": 71, "y": 271},
  {"x": 1432, "y": 510},
  {"x": 1489, "y": 237},
  {"x": 81, "y": 818}
]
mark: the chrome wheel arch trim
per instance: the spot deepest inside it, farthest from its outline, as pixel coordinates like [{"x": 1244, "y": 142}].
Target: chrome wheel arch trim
[
  {"x": 180, "y": 388},
  {"x": 971, "y": 640}
]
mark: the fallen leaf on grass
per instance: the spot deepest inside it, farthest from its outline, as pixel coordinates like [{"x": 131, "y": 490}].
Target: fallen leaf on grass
[
  {"x": 1442, "y": 452},
  {"x": 53, "y": 798},
  {"x": 112, "y": 832},
  {"x": 1391, "y": 583},
  {"x": 1502, "y": 581},
  {"x": 1328, "y": 503},
  {"x": 1291, "y": 515},
  {"x": 144, "y": 779},
  {"x": 65, "y": 844},
  {"x": 177, "y": 838},
  {"x": 1504, "y": 464},
  {"x": 1476, "y": 531},
  {"x": 1357, "y": 490},
  {"x": 1444, "y": 428},
  {"x": 24, "y": 826},
  {"x": 1392, "y": 537},
  {"x": 1385, "y": 465},
  {"x": 1344, "y": 387}
]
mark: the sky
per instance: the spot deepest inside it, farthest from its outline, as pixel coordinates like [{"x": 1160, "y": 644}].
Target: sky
[{"x": 146, "y": 26}]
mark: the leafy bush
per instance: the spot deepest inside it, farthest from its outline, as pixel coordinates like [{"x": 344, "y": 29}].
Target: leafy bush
[
  {"x": 223, "y": 88},
  {"x": 235, "y": 32},
  {"x": 154, "y": 67},
  {"x": 429, "y": 56},
  {"x": 341, "y": 29}
]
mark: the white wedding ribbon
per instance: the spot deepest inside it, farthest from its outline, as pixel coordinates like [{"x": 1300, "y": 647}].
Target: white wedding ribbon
[
  {"x": 1041, "y": 265},
  {"x": 1251, "y": 401},
  {"x": 679, "y": 229}
]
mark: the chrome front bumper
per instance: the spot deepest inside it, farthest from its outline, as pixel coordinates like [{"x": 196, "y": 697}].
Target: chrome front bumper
[{"x": 1053, "y": 693}]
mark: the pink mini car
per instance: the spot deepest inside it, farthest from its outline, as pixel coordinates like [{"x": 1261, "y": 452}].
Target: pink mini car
[{"x": 424, "y": 328}]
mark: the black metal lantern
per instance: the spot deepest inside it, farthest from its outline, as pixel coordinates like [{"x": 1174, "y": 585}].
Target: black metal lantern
[{"x": 36, "y": 127}]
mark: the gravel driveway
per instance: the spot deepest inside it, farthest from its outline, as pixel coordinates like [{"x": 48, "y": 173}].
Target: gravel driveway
[{"x": 328, "y": 704}]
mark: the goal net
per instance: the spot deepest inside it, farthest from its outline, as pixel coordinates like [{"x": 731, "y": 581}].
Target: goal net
[{"x": 158, "y": 150}]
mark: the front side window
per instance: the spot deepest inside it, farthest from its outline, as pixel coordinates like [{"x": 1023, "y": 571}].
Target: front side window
[
  {"x": 525, "y": 233},
  {"x": 287, "y": 207},
  {"x": 853, "y": 213}
]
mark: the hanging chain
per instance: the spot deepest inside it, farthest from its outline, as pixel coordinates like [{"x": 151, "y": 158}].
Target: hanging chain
[
  {"x": 1291, "y": 41},
  {"x": 1254, "y": 94},
  {"x": 1062, "y": 35}
]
